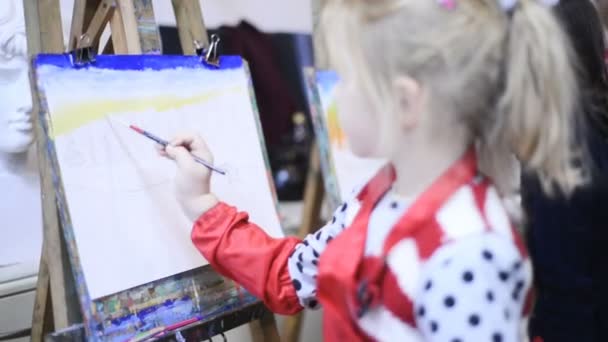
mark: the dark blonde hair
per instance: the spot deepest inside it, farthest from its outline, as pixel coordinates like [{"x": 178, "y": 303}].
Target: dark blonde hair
[{"x": 508, "y": 74}]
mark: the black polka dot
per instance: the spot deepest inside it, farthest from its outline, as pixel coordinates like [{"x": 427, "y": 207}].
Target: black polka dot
[
  {"x": 449, "y": 301},
  {"x": 507, "y": 314},
  {"x": 296, "y": 283},
  {"x": 456, "y": 340},
  {"x": 312, "y": 304},
  {"x": 305, "y": 242},
  {"x": 318, "y": 236},
  {"x": 504, "y": 276},
  {"x": 474, "y": 320},
  {"x": 515, "y": 295},
  {"x": 490, "y": 296},
  {"x": 421, "y": 311},
  {"x": 394, "y": 205},
  {"x": 467, "y": 276},
  {"x": 343, "y": 226},
  {"x": 517, "y": 265},
  {"x": 487, "y": 255},
  {"x": 333, "y": 220},
  {"x": 329, "y": 238},
  {"x": 519, "y": 285},
  {"x": 315, "y": 262},
  {"x": 434, "y": 326},
  {"x": 300, "y": 268},
  {"x": 300, "y": 257},
  {"x": 497, "y": 337},
  {"x": 428, "y": 285},
  {"x": 315, "y": 253},
  {"x": 344, "y": 206}
]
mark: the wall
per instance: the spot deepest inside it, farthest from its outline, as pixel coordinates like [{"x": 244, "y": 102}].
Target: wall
[{"x": 293, "y": 16}]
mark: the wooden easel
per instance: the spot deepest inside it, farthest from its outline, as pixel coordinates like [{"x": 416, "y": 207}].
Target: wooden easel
[
  {"x": 133, "y": 31},
  {"x": 314, "y": 192}
]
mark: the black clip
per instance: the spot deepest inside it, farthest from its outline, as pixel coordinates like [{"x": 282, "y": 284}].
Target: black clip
[
  {"x": 84, "y": 53},
  {"x": 209, "y": 56}
]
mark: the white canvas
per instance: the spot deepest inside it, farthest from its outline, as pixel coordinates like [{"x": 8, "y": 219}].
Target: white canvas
[{"x": 128, "y": 227}]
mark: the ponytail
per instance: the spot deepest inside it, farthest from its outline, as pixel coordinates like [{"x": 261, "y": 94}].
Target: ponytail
[{"x": 536, "y": 109}]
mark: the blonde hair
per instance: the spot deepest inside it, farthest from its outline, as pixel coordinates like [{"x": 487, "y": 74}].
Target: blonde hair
[{"x": 510, "y": 75}]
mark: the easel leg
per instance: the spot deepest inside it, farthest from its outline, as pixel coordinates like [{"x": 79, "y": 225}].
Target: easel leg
[
  {"x": 292, "y": 327},
  {"x": 313, "y": 199},
  {"x": 149, "y": 35},
  {"x": 42, "y": 319},
  {"x": 265, "y": 329},
  {"x": 313, "y": 195}
]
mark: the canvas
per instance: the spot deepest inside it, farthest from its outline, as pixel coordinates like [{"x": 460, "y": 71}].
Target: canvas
[
  {"x": 115, "y": 192},
  {"x": 343, "y": 171}
]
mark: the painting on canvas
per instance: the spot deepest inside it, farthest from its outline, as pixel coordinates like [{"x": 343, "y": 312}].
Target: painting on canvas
[
  {"x": 343, "y": 171},
  {"x": 127, "y": 226}
]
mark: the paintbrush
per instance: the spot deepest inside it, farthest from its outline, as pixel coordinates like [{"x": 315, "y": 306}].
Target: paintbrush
[{"x": 164, "y": 143}]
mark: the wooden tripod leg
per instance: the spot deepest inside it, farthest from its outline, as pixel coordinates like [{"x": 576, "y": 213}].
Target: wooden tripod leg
[
  {"x": 149, "y": 35},
  {"x": 265, "y": 329},
  {"x": 190, "y": 25},
  {"x": 43, "y": 26},
  {"x": 314, "y": 193},
  {"x": 90, "y": 17},
  {"x": 125, "y": 37},
  {"x": 313, "y": 199},
  {"x": 130, "y": 27},
  {"x": 42, "y": 319}
]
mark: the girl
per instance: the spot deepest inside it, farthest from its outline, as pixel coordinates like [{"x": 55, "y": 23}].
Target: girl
[{"x": 425, "y": 250}]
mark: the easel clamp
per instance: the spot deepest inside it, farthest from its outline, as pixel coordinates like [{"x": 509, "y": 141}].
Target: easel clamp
[
  {"x": 209, "y": 56},
  {"x": 84, "y": 53}
]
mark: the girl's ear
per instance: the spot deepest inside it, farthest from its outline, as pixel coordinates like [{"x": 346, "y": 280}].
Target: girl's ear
[{"x": 409, "y": 97}]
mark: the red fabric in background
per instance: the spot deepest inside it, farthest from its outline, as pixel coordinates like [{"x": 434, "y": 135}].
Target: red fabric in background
[{"x": 276, "y": 103}]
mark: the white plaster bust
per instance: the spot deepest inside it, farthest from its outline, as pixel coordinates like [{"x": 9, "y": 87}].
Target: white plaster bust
[
  {"x": 16, "y": 133},
  {"x": 20, "y": 209}
]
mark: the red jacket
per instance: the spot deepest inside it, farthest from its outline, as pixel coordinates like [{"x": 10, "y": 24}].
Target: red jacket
[{"x": 349, "y": 283}]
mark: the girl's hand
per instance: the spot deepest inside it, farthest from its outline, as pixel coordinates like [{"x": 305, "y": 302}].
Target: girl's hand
[{"x": 192, "y": 180}]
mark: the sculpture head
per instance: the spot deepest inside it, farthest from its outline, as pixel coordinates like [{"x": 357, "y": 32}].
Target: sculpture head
[{"x": 16, "y": 133}]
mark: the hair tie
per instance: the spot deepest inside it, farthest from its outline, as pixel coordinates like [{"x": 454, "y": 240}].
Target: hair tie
[{"x": 447, "y": 4}]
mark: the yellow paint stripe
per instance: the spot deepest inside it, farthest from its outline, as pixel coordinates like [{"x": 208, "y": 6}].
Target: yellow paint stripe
[{"x": 69, "y": 117}]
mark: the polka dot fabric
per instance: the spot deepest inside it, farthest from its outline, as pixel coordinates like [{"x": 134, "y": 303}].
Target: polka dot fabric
[
  {"x": 473, "y": 290},
  {"x": 304, "y": 261}
]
